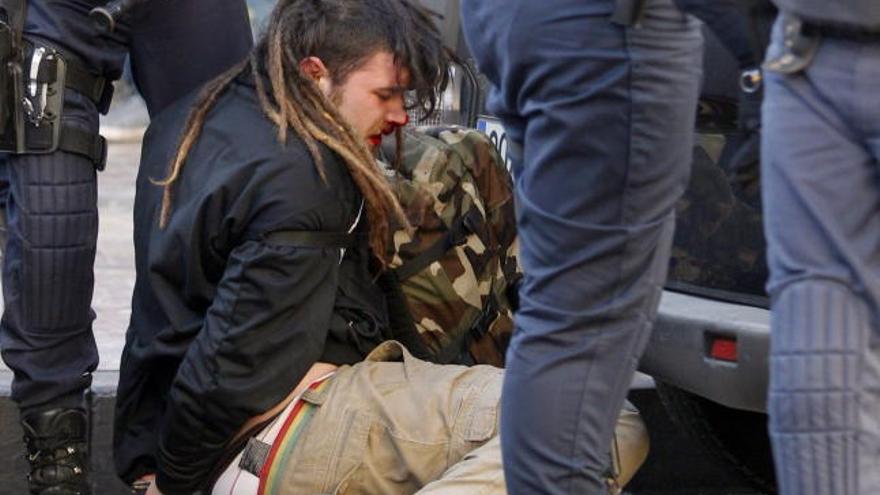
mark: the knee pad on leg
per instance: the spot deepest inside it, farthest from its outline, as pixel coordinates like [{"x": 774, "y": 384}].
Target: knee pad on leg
[{"x": 820, "y": 329}]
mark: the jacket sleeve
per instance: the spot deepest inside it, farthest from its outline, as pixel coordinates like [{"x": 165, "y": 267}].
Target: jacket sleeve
[
  {"x": 729, "y": 22},
  {"x": 266, "y": 326}
]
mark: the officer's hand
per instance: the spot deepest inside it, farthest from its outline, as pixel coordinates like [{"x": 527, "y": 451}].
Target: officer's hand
[
  {"x": 153, "y": 489},
  {"x": 146, "y": 485}
]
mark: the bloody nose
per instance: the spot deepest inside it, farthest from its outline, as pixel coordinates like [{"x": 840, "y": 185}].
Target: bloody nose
[{"x": 392, "y": 126}]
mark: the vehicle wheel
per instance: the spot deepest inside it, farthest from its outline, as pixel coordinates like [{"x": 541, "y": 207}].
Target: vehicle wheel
[{"x": 736, "y": 438}]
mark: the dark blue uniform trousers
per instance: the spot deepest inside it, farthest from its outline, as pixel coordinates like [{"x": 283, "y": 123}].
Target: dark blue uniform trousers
[
  {"x": 820, "y": 160},
  {"x": 605, "y": 117},
  {"x": 46, "y": 330}
]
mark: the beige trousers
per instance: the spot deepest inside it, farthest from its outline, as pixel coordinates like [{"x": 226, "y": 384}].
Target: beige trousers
[{"x": 394, "y": 424}]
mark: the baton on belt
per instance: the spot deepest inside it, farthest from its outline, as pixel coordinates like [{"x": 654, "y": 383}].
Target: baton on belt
[{"x": 106, "y": 17}]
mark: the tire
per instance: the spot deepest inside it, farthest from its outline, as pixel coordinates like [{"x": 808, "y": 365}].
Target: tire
[{"x": 736, "y": 438}]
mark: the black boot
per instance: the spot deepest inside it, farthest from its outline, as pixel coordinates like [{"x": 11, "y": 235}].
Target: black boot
[{"x": 57, "y": 452}]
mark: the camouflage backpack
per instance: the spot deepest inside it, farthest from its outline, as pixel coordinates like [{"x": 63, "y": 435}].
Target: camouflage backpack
[{"x": 455, "y": 267}]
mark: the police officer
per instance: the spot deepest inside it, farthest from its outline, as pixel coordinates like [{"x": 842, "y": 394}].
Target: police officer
[
  {"x": 600, "y": 98},
  {"x": 46, "y": 332},
  {"x": 820, "y": 155}
]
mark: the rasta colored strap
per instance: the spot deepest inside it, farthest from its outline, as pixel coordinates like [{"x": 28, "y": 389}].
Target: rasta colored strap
[{"x": 282, "y": 447}]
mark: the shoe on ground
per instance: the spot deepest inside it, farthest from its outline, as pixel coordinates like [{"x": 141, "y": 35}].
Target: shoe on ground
[{"x": 56, "y": 442}]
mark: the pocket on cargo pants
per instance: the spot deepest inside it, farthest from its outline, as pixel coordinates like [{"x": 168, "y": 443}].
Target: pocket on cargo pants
[
  {"x": 425, "y": 418},
  {"x": 479, "y": 417}
]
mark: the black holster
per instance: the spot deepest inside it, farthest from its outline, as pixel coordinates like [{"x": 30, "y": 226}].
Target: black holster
[
  {"x": 33, "y": 77},
  {"x": 32, "y": 84},
  {"x": 37, "y": 79}
]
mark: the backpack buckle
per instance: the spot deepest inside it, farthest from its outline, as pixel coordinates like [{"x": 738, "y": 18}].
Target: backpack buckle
[{"x": 469, "y": 223}]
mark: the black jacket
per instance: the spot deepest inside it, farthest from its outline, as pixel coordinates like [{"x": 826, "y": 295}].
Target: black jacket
[{"x": 225, "y": 321}]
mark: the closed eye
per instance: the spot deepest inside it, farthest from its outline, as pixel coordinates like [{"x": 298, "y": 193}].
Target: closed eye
[
  {"x": 388, "y": 94},
  {"x": 385, "y": 95}
]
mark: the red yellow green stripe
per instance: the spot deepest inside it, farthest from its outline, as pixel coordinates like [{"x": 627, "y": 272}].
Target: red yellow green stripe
[{"x": 281, "y": 449}]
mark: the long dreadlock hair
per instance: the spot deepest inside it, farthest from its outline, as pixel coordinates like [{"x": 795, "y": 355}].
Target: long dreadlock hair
[{"x": 343, "y": 34}]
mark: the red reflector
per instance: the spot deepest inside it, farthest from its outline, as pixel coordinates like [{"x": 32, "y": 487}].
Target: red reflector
[{"x": 723, "y": 349}]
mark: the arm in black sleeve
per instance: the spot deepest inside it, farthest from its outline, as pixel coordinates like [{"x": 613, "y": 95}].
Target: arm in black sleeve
[
  {"x": 265, "y": 328},
  {"x": 730, "y": 24}
]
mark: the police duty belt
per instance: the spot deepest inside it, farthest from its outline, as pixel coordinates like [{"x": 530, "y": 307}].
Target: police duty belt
[{"x": 33, "y": 80}]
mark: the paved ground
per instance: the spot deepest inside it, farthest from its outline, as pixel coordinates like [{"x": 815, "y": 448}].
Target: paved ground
[{"x": 114, "y": 263}]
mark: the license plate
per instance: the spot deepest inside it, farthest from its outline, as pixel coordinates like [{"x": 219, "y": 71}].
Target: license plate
[{"x": 492, "y": 127}]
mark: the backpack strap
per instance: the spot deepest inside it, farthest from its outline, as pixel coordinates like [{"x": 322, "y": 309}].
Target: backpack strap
[
  {"x": 467, "y": 224},
  {"x": 457, "y": 351},
  {"x": 318, "y": 238},
  {"x": 311, "y": 239},
  {"x": 403, "y": 327}
]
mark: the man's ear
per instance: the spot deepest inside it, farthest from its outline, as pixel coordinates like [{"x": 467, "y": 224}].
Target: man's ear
[{"x": 314, "y": 68}]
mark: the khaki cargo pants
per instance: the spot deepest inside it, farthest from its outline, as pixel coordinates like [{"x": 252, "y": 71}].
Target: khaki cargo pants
[{"x": 394, "y": 424}]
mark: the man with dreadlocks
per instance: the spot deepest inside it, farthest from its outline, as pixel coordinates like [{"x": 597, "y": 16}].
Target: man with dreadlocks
[{"x": 261, "y": 221}]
